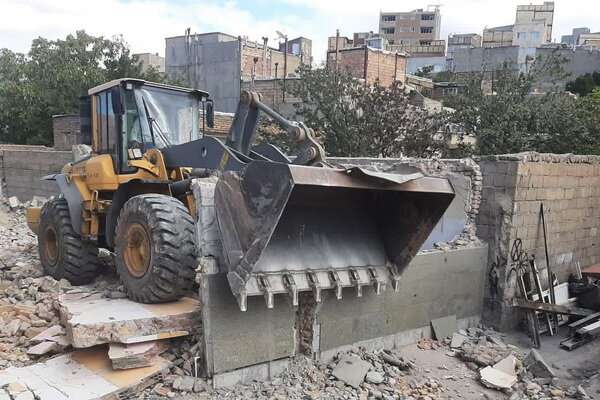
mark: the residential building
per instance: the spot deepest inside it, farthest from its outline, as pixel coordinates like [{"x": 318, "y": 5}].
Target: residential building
[
  {"x": 300, "y": 47},
  {"x": 435, "y": 90},
  {"x": 572, "y": 40},
  {"x": 417, "y": 27},
  {"x": 148, "y": 60},
  {"x": 460, "y": 41},
  {"x": 218, "y": 62},
  {"x": 343, "y": 42},
  {"x": 589, "y": 40},
  {"x": 533, "y": 28},
  {"x": 499, "y": 36},
  {"x": 371, "y": 65}
]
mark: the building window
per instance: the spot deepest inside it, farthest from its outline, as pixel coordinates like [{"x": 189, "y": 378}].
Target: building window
[
  {"x": 427, "y": 17},
  {"x": 388, "y": 31},
  {"x": 521, "y": 35},
  {"x": 388, "y": 18},
  {"x": 535, "y": 36},
  {"x": 391, "y": 41},
  {"x": 426, "y": 29}
]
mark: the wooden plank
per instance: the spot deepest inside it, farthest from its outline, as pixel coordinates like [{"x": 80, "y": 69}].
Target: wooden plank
[
  {"x": 553, "y": 308},
  {"x": 581, "y": 322}
]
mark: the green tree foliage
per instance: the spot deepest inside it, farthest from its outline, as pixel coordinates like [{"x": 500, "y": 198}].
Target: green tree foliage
[
  {"x": 515, "y": 118},
  {"x": 353, "y": 119},
  {"x": 584, "y": 84},
  {"x": 50, "y": 79}
]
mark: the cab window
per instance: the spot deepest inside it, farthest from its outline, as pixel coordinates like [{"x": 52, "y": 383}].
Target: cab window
[{"x": 107, "y": 125}]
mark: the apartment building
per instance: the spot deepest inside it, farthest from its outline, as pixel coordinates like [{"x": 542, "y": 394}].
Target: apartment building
[
  {"x": 417, "y": 27},
  {"x": 151, "y": 60}
]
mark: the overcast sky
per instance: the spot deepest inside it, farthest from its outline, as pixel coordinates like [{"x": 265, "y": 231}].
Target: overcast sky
[{"x": 145, "y": 23}]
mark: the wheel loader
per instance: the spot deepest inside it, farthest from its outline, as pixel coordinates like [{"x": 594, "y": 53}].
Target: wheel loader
[{"x": 287, "y": 223}]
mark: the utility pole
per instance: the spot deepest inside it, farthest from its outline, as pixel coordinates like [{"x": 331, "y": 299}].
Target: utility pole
[
  {"x": 337, "y": 50},
  {"x": 264, "y": 68},
  {"x": 285, "y": 51}
]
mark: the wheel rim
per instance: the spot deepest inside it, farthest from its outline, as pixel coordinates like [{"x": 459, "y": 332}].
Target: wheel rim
[
  {"x": 51, "y": 245},
  {"x": 137, "y": 251}
]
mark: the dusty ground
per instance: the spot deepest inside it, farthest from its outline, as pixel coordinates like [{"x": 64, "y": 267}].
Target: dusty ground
[{"x": 27, "y": 306}]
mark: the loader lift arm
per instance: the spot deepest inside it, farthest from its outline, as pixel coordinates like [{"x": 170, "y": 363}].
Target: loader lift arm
[{"x": 243, "y": 130}]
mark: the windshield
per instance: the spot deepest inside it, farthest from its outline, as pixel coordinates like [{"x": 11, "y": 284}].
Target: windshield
[{"x": 172, "y": 115}]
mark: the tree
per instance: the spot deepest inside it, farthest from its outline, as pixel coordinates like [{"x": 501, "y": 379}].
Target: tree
[
  {"x": 514, "y": 118},
  {"x": 354, "y": 119},
  {"x": 584, "y": 84},
  {"x": 52, "y": 76}
]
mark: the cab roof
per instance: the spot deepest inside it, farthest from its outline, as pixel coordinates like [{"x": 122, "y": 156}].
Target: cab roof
[{"x": 141, "y": 82}]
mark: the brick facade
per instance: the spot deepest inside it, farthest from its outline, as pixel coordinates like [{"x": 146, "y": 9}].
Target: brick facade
[
  {"x": 370, "y": 64},
  {"x": 514, "y": 187}
]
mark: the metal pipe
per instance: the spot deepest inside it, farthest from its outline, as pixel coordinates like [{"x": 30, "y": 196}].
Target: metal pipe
[{"x": 548, "y": 267}]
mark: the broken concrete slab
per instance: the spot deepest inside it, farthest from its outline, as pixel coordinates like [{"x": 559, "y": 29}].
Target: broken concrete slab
[
  {"x": 54, "y": 330},
  {"x": 91, "y": 319},
  {"x": 497, "y": 379},
  {"x": 444, "y": 327},
  {"x": 351, "y": 370},
  {"x": 457, "y": 340},
  {"x": 135, "y": 355},
  {"x": 508, "y": 365},
  {"x": 81, "y": 375},
  {"x": 43, "y": 348},
  {"x": 537, "y": 365}
]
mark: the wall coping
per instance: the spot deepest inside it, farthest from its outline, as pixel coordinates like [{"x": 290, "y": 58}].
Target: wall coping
[{"x": 532, "y": 156}]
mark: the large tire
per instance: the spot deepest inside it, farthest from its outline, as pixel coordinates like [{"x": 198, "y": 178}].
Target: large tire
[
  {"x": 63, "y": 253},
  {"x": 155, "y": 248}
]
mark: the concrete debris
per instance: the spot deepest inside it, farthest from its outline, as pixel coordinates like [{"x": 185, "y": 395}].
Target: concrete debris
[
  {"x": 351, "y": 370},
  {"x": 537, "y": 366},
  {"x": 13, "y": 202},
  {"x": 502, "y": 375},
  {"x": 374, "y": 377},
  {"x": 443, "y": 327},
  {"x": 136, "y": 355},
  {"x": 457, "y": 340},
  {"x": 81, "y": 375},
  {"x": 496, "y": 379},
  {"x": 48, "y": 334},
  {"x": 91, "y": 319},
  {"x": 43, "y": 348}
]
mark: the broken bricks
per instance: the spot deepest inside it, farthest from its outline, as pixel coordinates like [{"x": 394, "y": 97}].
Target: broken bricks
[{"x": 127, "y": 356}]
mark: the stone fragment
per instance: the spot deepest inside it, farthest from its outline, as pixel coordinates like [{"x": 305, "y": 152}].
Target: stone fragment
[
  {"x": 537, "y": 365},
  {"x": 374, "y": 377},
  {"x": 15, "y": 388},
  {"x": 42, "y": 348},
  {"x": 497, "y": 379},
  {"x": 135, "y": 355},
  {"x": 13, "y": 202},
  {"x": 184, "y": 383},
  {"x": 457, "y": 340},
  {"x": 508, "y": 365},
  {"x": 48, "y": 333},
  {"x": 93, "y": 319},
  {"x": 24, "y": 396},
  {"x": 443, "y": 327},
  {"x": 351, "y": 370}
]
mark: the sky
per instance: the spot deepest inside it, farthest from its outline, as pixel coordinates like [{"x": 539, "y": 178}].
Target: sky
[{"x": 145, "y": 23}]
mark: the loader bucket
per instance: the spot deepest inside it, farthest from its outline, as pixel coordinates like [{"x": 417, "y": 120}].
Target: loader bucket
[{"x": 288, "y": 228}]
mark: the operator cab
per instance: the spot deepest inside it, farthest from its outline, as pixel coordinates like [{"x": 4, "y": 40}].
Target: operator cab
[{"x": 126, "y": 117}]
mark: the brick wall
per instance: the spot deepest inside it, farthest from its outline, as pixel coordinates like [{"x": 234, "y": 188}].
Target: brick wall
[
  {"x": 21, "y": 168},
  {"x": 382, "y": 66},
  {"x": 251, "y": 50},
  {"x": 514, "y": 187}
]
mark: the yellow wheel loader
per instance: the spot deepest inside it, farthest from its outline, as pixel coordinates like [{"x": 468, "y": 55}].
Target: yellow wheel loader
[{"x": 287, "y": 224}]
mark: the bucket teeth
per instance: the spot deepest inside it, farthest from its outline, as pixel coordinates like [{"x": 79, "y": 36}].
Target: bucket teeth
[
  {"x": 355, "y": 279},
  {"x": 290, "y": 284},
  {"x": 264, "y": 284},
  {"x": 313, "y": 281},
  {"x": 378, "y": 283},
  {"x": 337, "y": 283},
  {"x": 242, "y": 301},
  {"x": 395, "y": 275}
]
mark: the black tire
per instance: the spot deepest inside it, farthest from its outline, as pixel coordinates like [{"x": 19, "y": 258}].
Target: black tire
[
  {"x": 63, "y": 253},
  {"x": 164, "y": 269}
]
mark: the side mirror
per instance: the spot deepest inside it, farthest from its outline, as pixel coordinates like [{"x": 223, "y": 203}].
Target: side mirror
[
  {"x": 210, "y": 114},
  {"x": 117, "y": 105}
]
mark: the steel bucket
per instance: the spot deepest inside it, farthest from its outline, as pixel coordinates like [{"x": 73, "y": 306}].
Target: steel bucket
[{"x": 288, "y": 228}]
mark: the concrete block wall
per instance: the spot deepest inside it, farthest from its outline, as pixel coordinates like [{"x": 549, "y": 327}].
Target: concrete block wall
[
  {"x": 514, "y": 187},
  {"x": 21, "y": 168},
  {"x": 67, "y": 131}
]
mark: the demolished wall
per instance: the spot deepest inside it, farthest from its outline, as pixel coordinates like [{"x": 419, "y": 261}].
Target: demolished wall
[
  {"x": 514, "y": 187},
  {"x": 22, "y": 167}
]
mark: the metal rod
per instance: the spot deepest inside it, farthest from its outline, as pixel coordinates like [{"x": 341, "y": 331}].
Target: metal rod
[
  {"x": 548, "y": 267},
  {"x": 538, "y": 288}
]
